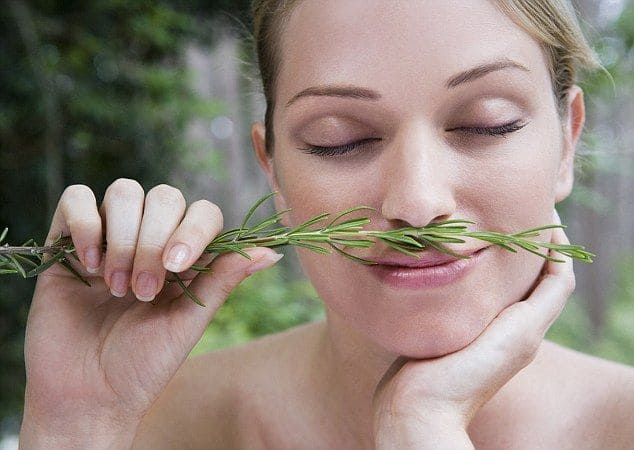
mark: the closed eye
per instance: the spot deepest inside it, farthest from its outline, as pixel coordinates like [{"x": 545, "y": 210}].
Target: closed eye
[
  {"x": 339, "y": 149},
  {"x": 500, "y": 130}
]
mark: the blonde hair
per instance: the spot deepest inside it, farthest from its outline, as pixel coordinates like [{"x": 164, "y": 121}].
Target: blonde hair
[{"x": 552, "y": 23}]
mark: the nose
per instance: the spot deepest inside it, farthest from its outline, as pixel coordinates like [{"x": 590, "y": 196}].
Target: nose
[{"x": 417, "y": 182}]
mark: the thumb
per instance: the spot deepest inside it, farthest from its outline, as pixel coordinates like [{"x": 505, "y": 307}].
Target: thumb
[{"x": 226, "y": 272}]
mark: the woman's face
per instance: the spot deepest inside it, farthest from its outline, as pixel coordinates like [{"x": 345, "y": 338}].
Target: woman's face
[{"x": 419, "y": 153}]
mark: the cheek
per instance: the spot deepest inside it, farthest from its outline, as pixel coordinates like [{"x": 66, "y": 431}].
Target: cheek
[
  {"x": 515, "y": 188},
  {"x": 310, "y": 188}
]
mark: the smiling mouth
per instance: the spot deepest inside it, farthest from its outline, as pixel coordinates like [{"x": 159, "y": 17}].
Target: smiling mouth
[
  {"x": 429, "y": 258},
  {"x": 405, "y": 274}
]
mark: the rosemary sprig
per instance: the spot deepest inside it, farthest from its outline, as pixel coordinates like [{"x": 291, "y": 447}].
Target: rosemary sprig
[{"x": 316, "y": 234}]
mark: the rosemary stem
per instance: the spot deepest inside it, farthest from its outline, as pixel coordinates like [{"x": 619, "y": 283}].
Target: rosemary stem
[{"x": 9, "y": 250}]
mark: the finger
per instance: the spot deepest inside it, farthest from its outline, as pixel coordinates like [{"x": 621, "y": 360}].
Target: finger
[
  {"x": 77, "y": 216},
  {"x": 394, "y": 368},
  {"x": 164, "y": 208},
  {"x": 201, "y": 224},
  {"x": 122, "y": 210},
  {"x": 227, "y": 271}
]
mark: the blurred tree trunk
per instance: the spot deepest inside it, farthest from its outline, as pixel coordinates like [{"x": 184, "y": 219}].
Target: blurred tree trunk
[
  {"x": 52, "y": 135},
  {"x": 609, "y": 181},
  {"x": 236, "y": 181}
]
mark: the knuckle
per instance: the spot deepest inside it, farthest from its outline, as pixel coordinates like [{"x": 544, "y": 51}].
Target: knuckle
[
  {"x": 572, "y": 283},
  {"x": 80, "y": 224},
  {"x": 198, "y": 231},
  {"x": 121, "y": 247},
  {"x": 167, "y": 195},
  {"x": 120, "y": 257},
  {"x": 124, "y": 187},
  {"x": 224, "y": 290},
  {"x": 148, "y": 247}
]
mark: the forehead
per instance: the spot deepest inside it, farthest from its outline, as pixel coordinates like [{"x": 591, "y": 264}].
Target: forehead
[{"x": 397, "y": 45}]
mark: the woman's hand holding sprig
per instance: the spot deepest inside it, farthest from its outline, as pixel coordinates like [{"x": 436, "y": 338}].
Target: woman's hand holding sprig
[{"x": 96, "y": 363}]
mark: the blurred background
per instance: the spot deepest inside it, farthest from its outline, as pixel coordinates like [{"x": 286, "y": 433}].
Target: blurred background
[{"x": 166, "y": 91}]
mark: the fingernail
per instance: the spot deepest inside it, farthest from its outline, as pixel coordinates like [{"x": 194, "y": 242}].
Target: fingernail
[
  {"x": 119, "y": 283},
  {"x": 556, "y": 215},
  {"x": 92, "y": 258},
  {"x": 266, "y": 261},
  {"x": 145, "y": 287},
  {"x": 178, "y": 254}
]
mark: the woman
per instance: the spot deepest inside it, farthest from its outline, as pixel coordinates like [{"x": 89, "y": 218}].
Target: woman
[{"x": 424, "y": 110}]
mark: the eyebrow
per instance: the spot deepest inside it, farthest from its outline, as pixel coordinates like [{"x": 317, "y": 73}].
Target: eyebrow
[
  {"x": 483, "y": 69},
  {"x": 368, "y": 94},
  {"x": 336, "y": 91}
]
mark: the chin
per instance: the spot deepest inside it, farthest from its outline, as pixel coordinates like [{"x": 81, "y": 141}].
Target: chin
[
  {"x": 439, "y": 342},
  {"x": 444, "y": 331}
]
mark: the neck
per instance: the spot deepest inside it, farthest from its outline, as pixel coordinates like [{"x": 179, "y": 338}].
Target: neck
[{"x": 348, "y": 367}]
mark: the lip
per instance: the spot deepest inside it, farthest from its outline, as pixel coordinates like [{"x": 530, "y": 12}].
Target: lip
[{"x": 432, "y": 269}]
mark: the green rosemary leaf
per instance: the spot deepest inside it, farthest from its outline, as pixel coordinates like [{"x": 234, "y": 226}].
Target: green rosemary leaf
[
  {"x": 3, "y": 235},
  {"x": 188, "y": 292},
  {"x": 25, "y": 260},
  {"x": 28, "y": 243},
  {"x": 535, "y": 231},
  {"x": 45, "y": 265},
  {"x": 17, "y": 266},
  {"x": 272, "y": 220},
  {"x": 354, "y": 258},
  {"x": 530, "y": 249},
  {"x": 313, "y": 247},
  {"x": 226, "y": 235},
  {"x": 401, "y": 249},
  {"x": 349, "y": 211},
  {"x": 441, "y": 238},
  {"x": 221, "y": 248},
  {"x": 401, "y": 241},
  {"x": 452, "y": 221},
  {"x": 526, "y": 244},
  {"x": 507, "y": 247},
  {"x": 254, "y": 207},
  {"x": 311, "y": 237},
  {"x": 66, "y": 265},
  {"x": 360, "y": 243},
  {"x": 308, "y": 223},
  {"x": 349, "y": 225},
  {"x": 443, "y": 249}
]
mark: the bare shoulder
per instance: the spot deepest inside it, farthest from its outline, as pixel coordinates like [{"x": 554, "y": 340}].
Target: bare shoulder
[
  {"x": 208, "y": 402},
  {"x": 604, "y": 391},
  {"x": 564, "y": 399}
]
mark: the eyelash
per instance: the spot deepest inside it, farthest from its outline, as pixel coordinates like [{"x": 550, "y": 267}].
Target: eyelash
[{"x": 500, "y": 131}]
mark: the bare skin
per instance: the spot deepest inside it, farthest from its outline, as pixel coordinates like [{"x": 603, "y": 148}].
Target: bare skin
[{"x": 556, "y": 402}]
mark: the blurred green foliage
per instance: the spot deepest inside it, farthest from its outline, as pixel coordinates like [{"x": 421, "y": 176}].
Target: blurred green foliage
[
  {"x": 267, "y": 302},
  {"x": 616, "y": 340},
  {"x": 90, "y": 91}
]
